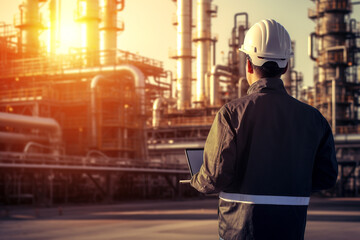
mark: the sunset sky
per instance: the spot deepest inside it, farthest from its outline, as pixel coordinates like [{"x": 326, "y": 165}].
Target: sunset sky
[{"x": 149, "y": 30}]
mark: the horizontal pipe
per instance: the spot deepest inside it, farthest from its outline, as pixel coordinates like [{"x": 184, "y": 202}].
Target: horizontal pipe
[
  {"x": 91, "y": 168},
  {"x": 346, "y": 138},
  {"x": 22, "y": 121},
  {"x": 176, "y": 146},
  {"x": 19, "y": 138}
]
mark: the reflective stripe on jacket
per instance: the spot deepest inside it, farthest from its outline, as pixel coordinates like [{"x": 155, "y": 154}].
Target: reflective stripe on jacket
[{"x": 271, "y": 147}]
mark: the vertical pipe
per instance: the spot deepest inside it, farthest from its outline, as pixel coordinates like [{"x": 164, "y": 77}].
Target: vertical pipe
[
  {"x": 109, "y": 31},
  {"x": 139, "y": 82},
  {"x": 216, "y": 72},
  {"x": 88, "y": 11},
  {"x": 184, "y": 56},
  {"x": 53, "y": 25},
  {"x": 30, "y": 28},
  {"x": 242, "y": 55},
  {"x": 203, "y": 40}
]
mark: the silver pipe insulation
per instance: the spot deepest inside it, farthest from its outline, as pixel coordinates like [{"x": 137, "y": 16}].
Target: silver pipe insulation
[
  {"x": 203, "y": 41},
  {"x": 246, "y": 19},
  {"x": 216, "y": 72},
  {"x": 31, "y": 143},
  {"x": 242, "y": 55},
  {"x": 184, "y": 53},
  {"x": 9, "y": 137},
  {"x": 177, "y": 146},
  {"x": 88, "y": 15},
  {"x": 22, "y": 121},
  {"x": 93, "y": 109},
  {"x": 311, "y": 41},
  {"x": 169, "y": 84},
  {"x": 158, "y": 106},
  {"x": 139, "y": 82},
  {"x": 30, "y": 23},
  {"x": 109, "y": 29},
  {"x": 346, "y": 138}
]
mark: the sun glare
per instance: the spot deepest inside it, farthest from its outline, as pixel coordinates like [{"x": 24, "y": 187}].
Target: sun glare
[
  {"x": 67, "y": 35},
  {"x": 70, "y": 34}
]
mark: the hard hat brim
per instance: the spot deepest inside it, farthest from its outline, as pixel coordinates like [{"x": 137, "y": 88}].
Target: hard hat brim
[{"x": 260, "y": 60}]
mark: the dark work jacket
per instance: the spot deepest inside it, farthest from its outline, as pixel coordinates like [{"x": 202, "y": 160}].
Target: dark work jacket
[{"x": 266, "y": 144}]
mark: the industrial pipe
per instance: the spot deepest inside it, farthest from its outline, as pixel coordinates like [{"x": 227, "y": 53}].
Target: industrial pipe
[
  {"x": 88, "y": 15},
  {"x": 30, "y": 26},
  {"x": 203, "y": 41},
  {"x": 246, "y": 19},
  {"x": 346, "y": 138},
  {"x": 120, "y": 3},
  {"x": 158, "y": 106},
  {"x": 311, "y": 46},
  {"x": 184, "y": 53},
  {"x": 168, "y": 74},
  {"x": 22, "y": 121},
  {"x": 109, "y": 31},
  {"x": 93, "y": 110},
  {"x": 216, "y": 72},
  {"x": 139, "y": 82},
  {"x": 344, "y": 48},
  {"x": 242, "y": 55},
  {"x": 30, "y": 144},
  {"x": 10, "y": 137}
]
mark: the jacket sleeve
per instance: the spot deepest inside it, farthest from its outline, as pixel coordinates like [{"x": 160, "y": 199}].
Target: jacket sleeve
[
  {"x": 218, "y": 167},
  {"x": 325, "y": 168}
]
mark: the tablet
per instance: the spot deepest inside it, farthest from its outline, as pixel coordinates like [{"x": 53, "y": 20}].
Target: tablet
[{"x": 194, "y": 157}]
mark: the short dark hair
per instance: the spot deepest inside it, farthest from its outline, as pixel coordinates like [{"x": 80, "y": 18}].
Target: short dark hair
[{"x": 269, "y": 69}]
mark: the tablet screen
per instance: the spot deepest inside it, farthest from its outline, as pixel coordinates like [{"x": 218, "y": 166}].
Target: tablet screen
[{"x": 195, "y": 159}]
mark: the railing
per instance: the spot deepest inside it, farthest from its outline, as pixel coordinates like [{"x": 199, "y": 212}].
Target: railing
[
  {"x": 79, "y": 59},
  {"x": 50, "y": 160},
  {"x": 334, "y": 5},
  {"x": 28, "y": 94},
  {"x": 186, "y": 121}
]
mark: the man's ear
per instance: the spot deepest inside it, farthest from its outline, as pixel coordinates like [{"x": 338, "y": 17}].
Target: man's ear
[{"x": 250, "y": 67}]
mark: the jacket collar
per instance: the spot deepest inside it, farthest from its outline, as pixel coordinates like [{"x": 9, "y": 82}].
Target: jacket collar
[{"x": 267, "y": 85}]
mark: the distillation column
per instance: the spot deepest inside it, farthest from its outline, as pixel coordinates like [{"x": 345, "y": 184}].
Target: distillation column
[
  {"x": 184, "y": 56},
  {"x": 203, "y": 40},
  {"x": 109, "y": 29},
  {"x": 286, "y": 77},
  {"x": 334, "y": 95},
  {"x": 54, "y": 26},
  {"x": 30, "y": 25},
  {"x": 88, "y": 15}
]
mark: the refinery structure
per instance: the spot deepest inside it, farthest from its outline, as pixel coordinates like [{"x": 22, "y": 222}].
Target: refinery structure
[{"x": 100, "y": 121}]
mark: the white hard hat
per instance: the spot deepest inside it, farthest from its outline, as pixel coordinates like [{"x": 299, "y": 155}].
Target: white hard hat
[{"x": 266, "y": 41}]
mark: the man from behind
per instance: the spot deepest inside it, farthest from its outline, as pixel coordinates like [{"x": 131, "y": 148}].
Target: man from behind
[{"x": 266, "y": 152}]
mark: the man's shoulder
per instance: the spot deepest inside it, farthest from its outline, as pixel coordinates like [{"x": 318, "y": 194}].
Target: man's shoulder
[
  {"x": 239, "y": 102},
  {"x": 307, "y": 107}
]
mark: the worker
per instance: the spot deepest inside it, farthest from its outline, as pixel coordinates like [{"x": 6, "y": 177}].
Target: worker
[{"x": 266, "y": 152}]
